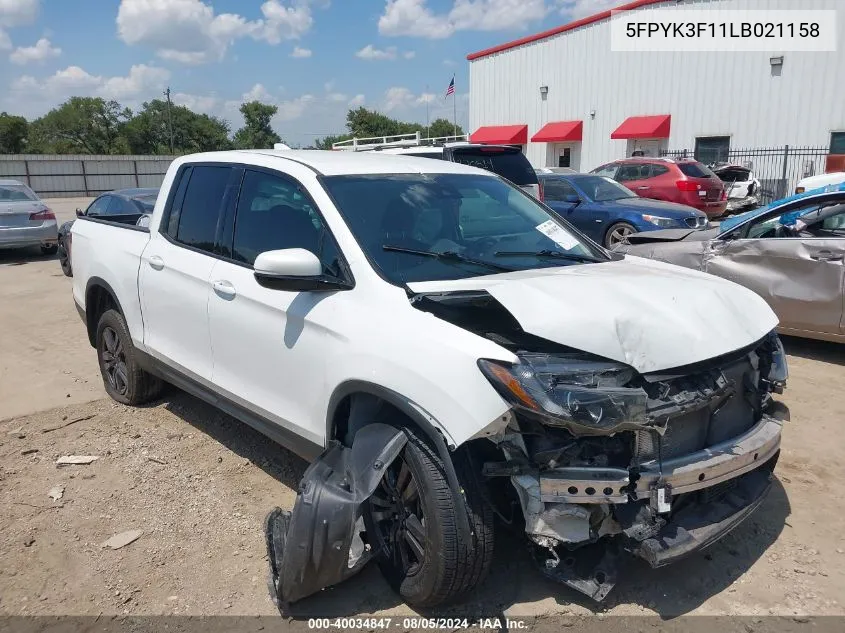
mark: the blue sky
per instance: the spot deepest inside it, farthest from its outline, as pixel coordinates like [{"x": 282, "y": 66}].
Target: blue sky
[{"x": 314, "y": 59}]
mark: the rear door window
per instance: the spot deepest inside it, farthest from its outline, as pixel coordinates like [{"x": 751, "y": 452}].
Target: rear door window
[
  {"x": 556, "y": 190},
  {"x": 633, "y": 171},
  {"x": 195, "y": 221},
  {"x": 507, "y": 162}
]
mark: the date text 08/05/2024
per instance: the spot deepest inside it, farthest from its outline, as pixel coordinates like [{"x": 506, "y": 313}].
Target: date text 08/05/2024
[{"x": 408, "y": 623}]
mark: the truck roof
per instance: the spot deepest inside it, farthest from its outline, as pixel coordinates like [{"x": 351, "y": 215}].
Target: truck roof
[{"x": 332, "y": 163}]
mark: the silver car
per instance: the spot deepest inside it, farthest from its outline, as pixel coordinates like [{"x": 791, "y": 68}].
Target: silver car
[
  {"x": 791, "y": 253},
  {"x": 25, "y": 220}
]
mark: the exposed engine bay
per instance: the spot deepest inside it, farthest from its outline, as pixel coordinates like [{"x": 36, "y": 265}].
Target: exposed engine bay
[{"x": 605, "y": 460}]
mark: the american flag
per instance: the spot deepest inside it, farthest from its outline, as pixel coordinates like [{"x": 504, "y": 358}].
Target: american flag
[{"x": 451, "y": 89}]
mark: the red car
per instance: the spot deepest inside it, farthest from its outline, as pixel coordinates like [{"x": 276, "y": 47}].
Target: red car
[{"x": 683, "y": 181}]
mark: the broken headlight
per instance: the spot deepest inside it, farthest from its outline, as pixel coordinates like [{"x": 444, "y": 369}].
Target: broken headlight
[{"x": 586, "y": 395}]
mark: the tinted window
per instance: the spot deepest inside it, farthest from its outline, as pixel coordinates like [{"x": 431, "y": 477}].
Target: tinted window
[
  {"x": 120, "y": 206},
  {"x": 658, "y": 170},
  {"x": 273, "y": 214},
  {"x": 509, "y": 163},
  {"x": 837, "y": 143},
  {"x": 633, "y": 171},
  {"x": 99, "y": 206},
  {"x": 556, "y": 190},
  {"x": 696, "y": 170},
  {"x": 712, "y": 149},
  {"x": 197, "y": 220},
  {"x": 170, "y": 222},
  {"x": 473, "y": 215},
  {"x": 146, "y": 204}
]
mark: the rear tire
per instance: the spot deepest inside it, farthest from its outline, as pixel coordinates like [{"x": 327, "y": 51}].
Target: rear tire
[
  {"x": 123, "y": 377},
  {"x": 423, "y": 555},
  {"x": 64, "y": 261},
  {"x": 617, "y": 232}
]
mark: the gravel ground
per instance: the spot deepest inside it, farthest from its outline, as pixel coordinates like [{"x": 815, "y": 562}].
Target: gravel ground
[{"x": 198, "y": 485}]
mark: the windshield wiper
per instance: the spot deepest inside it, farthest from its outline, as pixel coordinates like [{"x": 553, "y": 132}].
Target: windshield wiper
[
  {"x": 548, "y": 253},
  {"x": 448, "y": 256}
]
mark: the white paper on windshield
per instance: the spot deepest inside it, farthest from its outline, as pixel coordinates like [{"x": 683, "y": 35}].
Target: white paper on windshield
[{"x": 556, "y": 232}]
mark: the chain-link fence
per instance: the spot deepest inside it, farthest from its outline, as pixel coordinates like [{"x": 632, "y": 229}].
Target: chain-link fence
[{"x": 777, "y": 168}]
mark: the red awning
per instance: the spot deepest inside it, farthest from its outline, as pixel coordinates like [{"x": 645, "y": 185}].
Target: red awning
[
  {"x": 644, "y": 127},
  {"x": 560, "y": 131},
  {"x": 501, "y": 135}
]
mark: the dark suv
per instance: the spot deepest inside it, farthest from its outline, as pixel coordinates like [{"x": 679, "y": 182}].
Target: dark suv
[{"x": 684, "y": 181}]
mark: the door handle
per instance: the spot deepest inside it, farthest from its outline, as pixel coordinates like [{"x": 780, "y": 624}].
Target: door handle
[
  {"x": 224, "y": 289},
  {"x": 156, "y": 262},
  {"x": 643, "y": 188},
  {"x": 827, "y": 256}
]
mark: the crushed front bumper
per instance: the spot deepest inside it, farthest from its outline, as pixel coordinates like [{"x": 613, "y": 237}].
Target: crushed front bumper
[{"x": 686, "y": 473}]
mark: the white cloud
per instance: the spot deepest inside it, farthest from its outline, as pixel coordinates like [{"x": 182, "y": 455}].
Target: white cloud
[
  {"x": 18, "y": 12},
  {"x": 300, "y": 53},
  {"x": 575, "y": 9},
  {"x": 415, "y": 18},
  {"x": 398, "y": 97},
  {"x": 337, "y": 97},
  {"x": 357, "y": 101},
  {"x": 198, "y": 103},
  {"x": 371, "y": 52},
  {"x": 189, "y": 31},
  {"x": 15, "y": 13},
  {"x": 42, "y": 51},
  {"x": 257, "y": 93},
  {"x": 142, "y": 82}
]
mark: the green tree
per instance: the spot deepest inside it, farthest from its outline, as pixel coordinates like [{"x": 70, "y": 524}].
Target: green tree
[
  {"x": 13, "y": 134},
  {"x": 442, "y": 127},
  {"x": 257, "y": 133},
  {"x": 148, "y": 132},
  {"x": 363, "y": 123},
  {"x": 84, "y": 125}
]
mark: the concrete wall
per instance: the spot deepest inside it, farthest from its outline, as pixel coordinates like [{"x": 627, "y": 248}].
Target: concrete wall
[
  {"x": 60, "y": 175},
  {"x": 708, "y": 94}
]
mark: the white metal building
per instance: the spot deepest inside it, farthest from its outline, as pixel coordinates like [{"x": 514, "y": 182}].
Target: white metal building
[{"x": 571, "y": 101}]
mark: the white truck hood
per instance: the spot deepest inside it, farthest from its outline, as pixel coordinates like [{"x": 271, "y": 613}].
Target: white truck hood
[{"x": 650, "y": 315}]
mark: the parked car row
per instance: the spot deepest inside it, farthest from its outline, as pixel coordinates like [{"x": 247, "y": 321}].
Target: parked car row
[{"x": 25, "y": 221}]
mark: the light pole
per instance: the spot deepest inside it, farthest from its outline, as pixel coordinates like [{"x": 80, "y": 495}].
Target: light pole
[{"x": 169, "y": 118}]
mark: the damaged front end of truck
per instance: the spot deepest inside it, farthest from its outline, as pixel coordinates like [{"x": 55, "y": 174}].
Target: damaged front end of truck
[{"x": 603, "y": 460}]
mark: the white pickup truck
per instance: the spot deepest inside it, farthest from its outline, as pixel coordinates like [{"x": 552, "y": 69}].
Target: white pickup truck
[{"x": 447, "y": 350}]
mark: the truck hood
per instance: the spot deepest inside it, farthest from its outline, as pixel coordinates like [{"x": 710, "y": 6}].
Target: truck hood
[{"x": 647, "y": 314}]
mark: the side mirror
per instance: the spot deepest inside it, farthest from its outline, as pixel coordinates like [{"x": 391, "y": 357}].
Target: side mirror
[
  {"x": 294, "y": 269},
  {"x": 79, "y": 213},
  {"x": 572, "y": 199}
]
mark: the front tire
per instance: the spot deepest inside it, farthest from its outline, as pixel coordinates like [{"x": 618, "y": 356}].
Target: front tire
[
  {"x": 617, "y": 233},
  {"x": 123, "y": 377},
  {"x": 411, "y": 520}
]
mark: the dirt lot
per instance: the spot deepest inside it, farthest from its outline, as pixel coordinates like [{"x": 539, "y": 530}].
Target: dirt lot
[{"x": 198, "y": 484}]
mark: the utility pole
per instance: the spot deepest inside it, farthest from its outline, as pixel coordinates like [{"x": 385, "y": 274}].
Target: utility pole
[
  {"x": 169, "y": 118},
  {"x": 427, "y": 133}
]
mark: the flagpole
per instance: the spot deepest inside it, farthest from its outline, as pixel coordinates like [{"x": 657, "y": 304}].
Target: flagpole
[{"x": 455, "y": 108}]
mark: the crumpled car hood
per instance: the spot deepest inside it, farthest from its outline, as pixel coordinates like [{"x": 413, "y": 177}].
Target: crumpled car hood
[{"x": 647, "y": 314}]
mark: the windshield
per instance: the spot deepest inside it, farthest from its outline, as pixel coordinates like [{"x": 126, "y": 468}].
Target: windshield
[
  {"x": 508, "y": 162},
  {"x": 602, "y": 189},
  {"x": 16, "y": 193},
  {"x": 462, "y": 216},
  {"x": 147, "y": 203}
]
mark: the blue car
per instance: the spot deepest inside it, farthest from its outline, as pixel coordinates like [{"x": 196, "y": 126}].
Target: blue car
[{"x": 609, "y": 212}]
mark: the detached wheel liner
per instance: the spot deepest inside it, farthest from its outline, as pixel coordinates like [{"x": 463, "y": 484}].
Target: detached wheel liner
[{"x": 123, "y": 377}]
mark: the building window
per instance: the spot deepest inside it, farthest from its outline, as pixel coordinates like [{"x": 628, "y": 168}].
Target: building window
[
  {"x": 712, "y": 149},
  {"x": 837, "y": 142}
]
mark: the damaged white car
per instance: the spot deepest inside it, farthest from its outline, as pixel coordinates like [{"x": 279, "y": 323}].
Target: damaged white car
[{"x": 446, "y": 350}]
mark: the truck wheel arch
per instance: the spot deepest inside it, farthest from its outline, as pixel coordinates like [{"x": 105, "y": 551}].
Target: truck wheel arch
[
  {"x": 99, "y": 297},
  {"x": 345, "y": 391}
]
